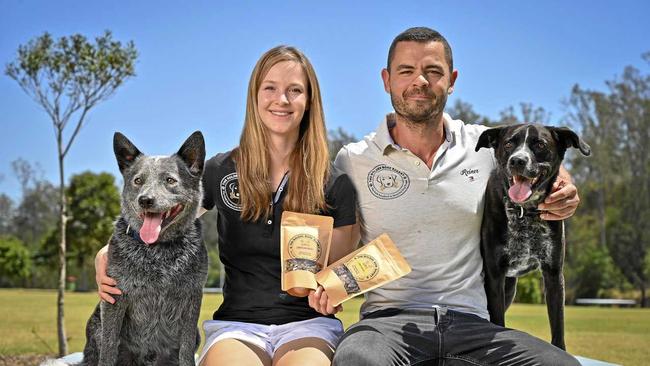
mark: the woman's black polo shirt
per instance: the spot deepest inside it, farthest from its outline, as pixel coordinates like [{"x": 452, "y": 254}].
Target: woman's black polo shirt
[{"x": 250, "y": 251}]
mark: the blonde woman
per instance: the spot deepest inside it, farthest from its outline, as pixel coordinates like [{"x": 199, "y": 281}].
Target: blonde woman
[{"x": 282, "y": 163}]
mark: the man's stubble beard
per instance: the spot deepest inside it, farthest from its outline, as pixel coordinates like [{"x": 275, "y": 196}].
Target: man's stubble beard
[{"x": 419, "y": 115}]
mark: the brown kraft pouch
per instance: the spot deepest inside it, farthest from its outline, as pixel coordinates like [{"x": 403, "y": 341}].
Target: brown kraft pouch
[
  {"x": 305, "y": 245},
  {"x": 365, "y": 269}
]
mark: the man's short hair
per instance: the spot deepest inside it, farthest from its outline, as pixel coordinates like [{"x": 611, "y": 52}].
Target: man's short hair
[{"x": 421, "y": 35}]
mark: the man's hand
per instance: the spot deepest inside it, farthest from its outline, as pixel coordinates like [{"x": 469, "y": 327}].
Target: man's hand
[
  {"x": 563, "y": 200},
  {"x": 320, "y": 302},
  {"x": 105, "y": 284}
]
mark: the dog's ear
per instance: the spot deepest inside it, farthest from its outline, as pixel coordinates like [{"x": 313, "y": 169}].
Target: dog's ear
[
  {"x": 567, "y": 138},
  {"x": 489, "y": 138},
  {"x": 193, "y": 153},
  {"x": 125, "y": 151}
]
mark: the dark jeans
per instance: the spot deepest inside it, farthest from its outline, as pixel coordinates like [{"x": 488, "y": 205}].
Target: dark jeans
[{"x": 438, "y": 336}]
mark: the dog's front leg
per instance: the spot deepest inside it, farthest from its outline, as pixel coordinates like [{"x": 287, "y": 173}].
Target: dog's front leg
[
  {"x": 494, "y": 290},
  {"x": 554, "y": 286},
  {"x": 112, "y": 316},
  {"x": 189, "y": 330},
  {"x": 494, "y": 276}
]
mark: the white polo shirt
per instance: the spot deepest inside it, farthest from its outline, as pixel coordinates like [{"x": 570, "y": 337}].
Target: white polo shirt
[{"x": 433, "y": 215}]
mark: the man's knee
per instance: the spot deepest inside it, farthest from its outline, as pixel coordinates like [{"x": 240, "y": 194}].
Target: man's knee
[
  {"x": 351, "y": 354},
  {"x": 357, "y": 348},
  {"x": 555, "y": 356}
]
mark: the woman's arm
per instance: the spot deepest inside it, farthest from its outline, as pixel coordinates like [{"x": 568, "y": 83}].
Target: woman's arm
[
  {"x": 105, "y": 285},
  {"x": 344, "y": 240}
]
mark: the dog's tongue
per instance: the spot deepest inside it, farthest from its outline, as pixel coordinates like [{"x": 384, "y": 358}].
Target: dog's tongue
[
  {"x": 151, "y": 227},
  {"x": 520, "y": 191}
]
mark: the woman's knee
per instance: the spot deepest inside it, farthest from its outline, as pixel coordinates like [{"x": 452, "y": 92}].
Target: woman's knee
[
  {"x": 235, "y": 352},
  {"x": 304, "y": 351}
]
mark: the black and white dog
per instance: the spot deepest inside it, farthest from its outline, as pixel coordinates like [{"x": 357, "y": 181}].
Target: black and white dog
[{"x": 514, "y": 239}]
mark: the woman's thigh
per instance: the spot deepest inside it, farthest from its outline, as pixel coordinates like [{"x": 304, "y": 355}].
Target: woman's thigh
[
  {"x": 236, "y": 353},
  {"x": 304, "y": 351}
]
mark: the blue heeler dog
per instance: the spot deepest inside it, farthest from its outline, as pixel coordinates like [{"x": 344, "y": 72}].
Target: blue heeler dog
[
  {"x": 158, "y": 259},
  {"x": 514, "y": 239}
]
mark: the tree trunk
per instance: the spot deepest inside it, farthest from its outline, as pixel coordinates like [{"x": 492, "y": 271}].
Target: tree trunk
[
  {"x": 601, "y": 211},
  {"x": 63, "y": 342},
  {"x": 644, "y": 300}
]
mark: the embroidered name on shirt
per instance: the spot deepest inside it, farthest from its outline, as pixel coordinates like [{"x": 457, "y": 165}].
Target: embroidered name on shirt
[
  {"x": 387, "y": 183},
  {"x": 470, "y": 174}
]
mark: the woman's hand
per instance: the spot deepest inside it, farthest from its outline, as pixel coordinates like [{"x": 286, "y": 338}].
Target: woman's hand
[
  {"x": 320, "y": 302},
  {"x": 106, "y": 286}
]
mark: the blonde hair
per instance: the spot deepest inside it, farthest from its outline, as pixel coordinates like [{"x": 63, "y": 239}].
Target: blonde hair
[{"x": 308, "y": 163}]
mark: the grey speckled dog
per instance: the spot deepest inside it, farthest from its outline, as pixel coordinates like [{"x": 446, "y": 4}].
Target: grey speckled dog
[
  {"x": 158, "y": 259},
  {"x": 514, "y": 239}
]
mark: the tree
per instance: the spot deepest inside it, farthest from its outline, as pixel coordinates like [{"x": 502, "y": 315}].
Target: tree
[
  {"x": 617, "y": 125},
  {"x": 67, "y": 78},
  {"x": 94, "y": 205},
  {"x": 336, "y": 139},
  {"x": 35, "y": 214},
  {"x": 527, "y": 114},
  {"x": 6, "y": 214},
  {"x": 216, "y": 274},
  {"x": 465, "y": 112},
  {"x": 15, "y": 261}
]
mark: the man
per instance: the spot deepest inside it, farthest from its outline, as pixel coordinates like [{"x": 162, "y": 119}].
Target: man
[{"x": 419, "y": 180}]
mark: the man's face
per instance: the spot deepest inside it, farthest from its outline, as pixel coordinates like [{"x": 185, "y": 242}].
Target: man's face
[{"x": 419, "y": 80}]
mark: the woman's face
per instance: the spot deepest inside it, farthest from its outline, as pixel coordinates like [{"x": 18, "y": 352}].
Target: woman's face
[{"x": 282, "y": 99}]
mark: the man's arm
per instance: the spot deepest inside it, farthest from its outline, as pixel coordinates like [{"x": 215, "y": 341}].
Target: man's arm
[
  {"x": 563, "y": 200},
  {"x": 344, "y": 241}
]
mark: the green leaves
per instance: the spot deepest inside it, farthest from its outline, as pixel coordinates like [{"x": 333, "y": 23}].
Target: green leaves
[
  {"x": 15, "y": 261},
  {"x": 94, "y": 204},
  {"x": 71, "y": 73}
]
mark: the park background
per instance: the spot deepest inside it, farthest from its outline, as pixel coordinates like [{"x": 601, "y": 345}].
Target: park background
[{"x": 582, "y": 64}]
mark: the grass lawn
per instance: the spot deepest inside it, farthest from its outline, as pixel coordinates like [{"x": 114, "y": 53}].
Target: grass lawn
[{"x": 28, "y": 325}]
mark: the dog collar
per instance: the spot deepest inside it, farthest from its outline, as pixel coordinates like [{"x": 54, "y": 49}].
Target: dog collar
[
  {"x": 522, "y": 211},
  {"x": 134, "y": 234}
]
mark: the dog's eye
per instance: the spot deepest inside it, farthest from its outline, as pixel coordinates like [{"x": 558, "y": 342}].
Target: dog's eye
[
  {"x": 540, "y": 144},
  {"x": 137, "y": 181},
  {"x": 171, "y": 180},
  {"x": 508, "y": 145}
]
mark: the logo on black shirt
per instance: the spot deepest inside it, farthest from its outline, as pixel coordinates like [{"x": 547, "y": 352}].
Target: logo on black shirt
[
  {"x": 387, "y": 183},
  {"x": 229, "y": 187}
]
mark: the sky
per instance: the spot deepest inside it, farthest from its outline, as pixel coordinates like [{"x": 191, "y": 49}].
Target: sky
[{"x": 195, "y": 60}]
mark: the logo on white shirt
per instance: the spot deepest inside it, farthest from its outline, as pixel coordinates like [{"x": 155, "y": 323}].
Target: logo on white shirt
[{"x": 387, "y": 183}]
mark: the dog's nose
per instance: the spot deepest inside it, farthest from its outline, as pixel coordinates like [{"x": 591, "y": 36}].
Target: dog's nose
[
  {"x": 145, "y": 201},
  {"x": 517, "y": 162}
]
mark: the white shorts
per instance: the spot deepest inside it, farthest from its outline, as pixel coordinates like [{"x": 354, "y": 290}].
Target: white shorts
[{"x": 271, "y": 337}]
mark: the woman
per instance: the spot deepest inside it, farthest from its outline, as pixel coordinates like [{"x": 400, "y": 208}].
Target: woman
[{"x": 282, "y": 163}]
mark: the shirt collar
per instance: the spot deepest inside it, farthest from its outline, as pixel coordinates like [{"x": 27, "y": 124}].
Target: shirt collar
[{"x": 384, "y": 140}]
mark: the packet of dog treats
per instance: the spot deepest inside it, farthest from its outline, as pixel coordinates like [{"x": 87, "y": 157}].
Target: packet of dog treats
[
  {"x": 305, "y": 247},
  {"x": 367, "y": 268}
]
